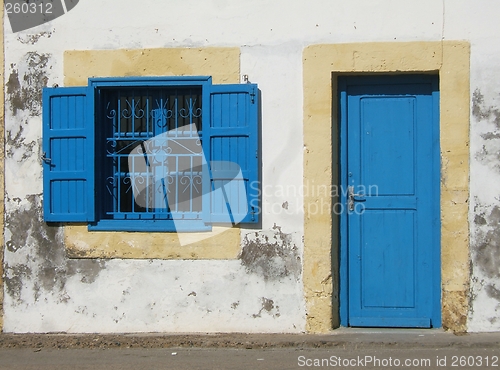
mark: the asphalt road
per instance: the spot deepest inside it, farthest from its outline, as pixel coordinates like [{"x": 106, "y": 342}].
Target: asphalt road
[{"x": 239, "y": 358}]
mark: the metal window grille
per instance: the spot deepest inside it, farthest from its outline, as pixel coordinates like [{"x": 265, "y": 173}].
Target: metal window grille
[{"x": 153, "y": 161}]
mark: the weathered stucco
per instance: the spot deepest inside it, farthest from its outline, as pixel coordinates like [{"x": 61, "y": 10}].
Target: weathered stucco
[
  {"x": 84, "y": 295},
  {"x": 2, "y": 172},
  {"x": 118, "y": 281},
  {"x": 272, "y": 254},
  {"x": 451, "y": 59},
  {"x": 74, "y": 295},
  {"x": 485, "y": 220},
  {"x": 281, "y": 277},
  {"x": 25, "y": 83},
  {"x": 29, "y": 239}
]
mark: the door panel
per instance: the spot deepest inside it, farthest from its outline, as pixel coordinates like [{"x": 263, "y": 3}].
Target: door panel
[
  {"x": 388, "y": 271},
  {"x": 389, "y": 159},
  {"x": 388, "y": 147}
]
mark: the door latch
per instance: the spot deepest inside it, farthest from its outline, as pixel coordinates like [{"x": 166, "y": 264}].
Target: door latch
[
  {"x": 45, "y": 159},
  {"x": 351, "y": 198}
]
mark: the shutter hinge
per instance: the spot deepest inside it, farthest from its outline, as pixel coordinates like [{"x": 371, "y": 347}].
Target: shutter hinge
[
  {"x": 257, "y": 154},
  {"x": 252, "y": 96}
]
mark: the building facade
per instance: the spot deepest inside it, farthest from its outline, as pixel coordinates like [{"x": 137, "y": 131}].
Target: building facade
[{"x": 375, "y": 149}]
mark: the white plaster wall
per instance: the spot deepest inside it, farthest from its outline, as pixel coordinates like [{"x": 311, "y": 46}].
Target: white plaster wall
[
  {"x": 477, "y": 22},
  {"x": 161, "y": 296},
  {"x": 138, "y": 295}
]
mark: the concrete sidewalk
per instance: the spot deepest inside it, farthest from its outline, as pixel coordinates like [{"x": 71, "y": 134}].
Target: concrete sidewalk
[{"x": 347, "y": 338}]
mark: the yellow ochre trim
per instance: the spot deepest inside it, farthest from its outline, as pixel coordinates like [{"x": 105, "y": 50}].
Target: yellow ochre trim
[
  {"x": 81, "y": 243},
  {"x": 223, "y": 64},
  {"x": 451, "y": 59}
]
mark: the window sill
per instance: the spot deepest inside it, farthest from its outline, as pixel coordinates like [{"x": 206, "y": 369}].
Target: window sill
[
  {"x": 183, "y": 226},
  {"x": 222, "y": 243}
]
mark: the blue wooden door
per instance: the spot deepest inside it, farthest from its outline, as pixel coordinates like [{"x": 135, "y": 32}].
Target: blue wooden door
[{"x": 390, "y": 179}]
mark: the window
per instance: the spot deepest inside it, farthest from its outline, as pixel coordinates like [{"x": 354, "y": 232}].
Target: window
[{"x": 151, "y": 154}]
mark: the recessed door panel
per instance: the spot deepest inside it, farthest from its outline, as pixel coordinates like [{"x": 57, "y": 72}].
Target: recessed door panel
[{"x": 390, "y": 168}]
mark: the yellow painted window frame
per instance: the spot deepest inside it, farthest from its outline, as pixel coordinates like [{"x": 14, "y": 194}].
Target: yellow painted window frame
[{"x": 223, "y": 64}]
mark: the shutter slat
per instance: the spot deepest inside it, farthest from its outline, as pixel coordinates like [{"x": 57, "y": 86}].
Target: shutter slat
[
  {"x": 68, "y": 144},
  {"x": 233, "y": 139}
]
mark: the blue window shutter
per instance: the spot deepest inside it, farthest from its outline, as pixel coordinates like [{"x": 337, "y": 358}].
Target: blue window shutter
[
  {"x": 68, "y": 145},
  {"x": 231, "y": 145}
]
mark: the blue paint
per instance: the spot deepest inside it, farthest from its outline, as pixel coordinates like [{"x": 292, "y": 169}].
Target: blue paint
[
  {"x": 232, "y": 139},
  {"x": 390, "y": 266},
  {"x": 79, "y": 138},
  {"x": 68, "y": 170}
]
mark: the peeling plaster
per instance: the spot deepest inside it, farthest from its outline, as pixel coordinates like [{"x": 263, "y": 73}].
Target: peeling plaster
[
  {"x": 25, "y": 83},
  {"x": 485, "y": 269},
  {"x": 14, "y": 279},
  {"x": 16, "y": 144},
  {"x": 267, "y": 307},
  {"x": 41, "y": 262},
  {"x": 481, "y": 112},
  {"x": 486, "y": 243},
  {"x": 32, "y": 39},
  {"x": 492, "y": 292},
  {"x": 281, "y": 73},
  {"x": 479, "y": 220},
  {"x": 485, "y": 240},
  {"x": 272, "y": 254},
  {"x": 489, "y": 154}
]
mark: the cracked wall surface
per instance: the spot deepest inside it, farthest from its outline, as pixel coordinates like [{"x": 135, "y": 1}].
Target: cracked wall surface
[
  {"x": 284, "y": 275},
  {"x": 25, "y": 83},
  {"x": 485, "y": 215},
  {"x": 2, "y": 171},
  {"x": 65, "y": 278},
  {"x": 271, "y": 254}
]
